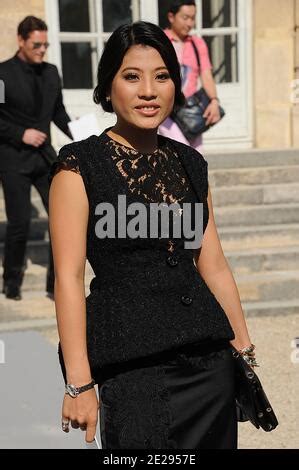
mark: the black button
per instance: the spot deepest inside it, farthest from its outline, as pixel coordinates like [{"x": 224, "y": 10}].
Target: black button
[
  {"x": 172, "y": 260},
  {"x": 186, "y": 300}
]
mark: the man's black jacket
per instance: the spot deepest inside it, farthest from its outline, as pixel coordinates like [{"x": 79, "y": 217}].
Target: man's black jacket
[{"x": 18, "y": 113}]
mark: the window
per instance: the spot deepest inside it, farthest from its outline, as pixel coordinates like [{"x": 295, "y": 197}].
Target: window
[
  {"x": 115, "y": 13},
  {"x": 74, "y": 16},
  {"x": 221, "y": 16},
  {"x": 84, "y": 26},
  {"x": 223, "y": 53}
]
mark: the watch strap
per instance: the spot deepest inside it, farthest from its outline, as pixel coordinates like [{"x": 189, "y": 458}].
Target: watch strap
[
  {"x": 77, "y": 390},
  {"x": 86, "y": 387}
]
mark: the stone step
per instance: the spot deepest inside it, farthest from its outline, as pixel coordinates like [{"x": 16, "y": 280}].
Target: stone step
[
  {"x": 268, "y": 286},
  {"x": 255, "y": 194},
  {"x": 253, "y": 176},
  {"x": 252, "y": 158},
  {"x": 244, "y": 215},
  {"x": 270, "y": 308},
  {"x": 258, "y": 236},
  {"x": 263, "y": 259}
]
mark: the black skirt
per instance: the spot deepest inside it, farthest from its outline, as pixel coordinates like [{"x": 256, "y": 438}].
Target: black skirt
[{"x": 182, "y": 399}]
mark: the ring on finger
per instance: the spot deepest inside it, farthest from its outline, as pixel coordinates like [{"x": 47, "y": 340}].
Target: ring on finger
[{"x": 65, "y": 424}]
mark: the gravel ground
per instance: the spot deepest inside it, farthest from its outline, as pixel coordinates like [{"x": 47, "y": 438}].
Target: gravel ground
[{"x": 279, "y": 376}]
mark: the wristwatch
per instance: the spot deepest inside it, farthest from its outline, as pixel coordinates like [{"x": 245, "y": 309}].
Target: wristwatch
[{"x": 74, "y": 391}]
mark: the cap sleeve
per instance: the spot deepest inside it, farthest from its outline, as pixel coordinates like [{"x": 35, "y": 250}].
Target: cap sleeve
[{"x": 66, "y": 160}]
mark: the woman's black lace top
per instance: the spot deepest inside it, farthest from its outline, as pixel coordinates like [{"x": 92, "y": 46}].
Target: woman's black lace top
[{"x": 147, "y": 295}]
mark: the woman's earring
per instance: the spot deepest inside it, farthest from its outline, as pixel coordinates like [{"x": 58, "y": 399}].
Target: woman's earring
[{"x": 108, "y": 98}]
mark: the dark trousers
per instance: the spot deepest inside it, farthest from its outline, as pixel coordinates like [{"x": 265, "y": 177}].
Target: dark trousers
[{"x": 16, "y": 189}]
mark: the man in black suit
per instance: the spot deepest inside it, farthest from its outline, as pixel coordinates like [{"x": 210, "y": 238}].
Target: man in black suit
[{"x": 33, "y": 99}]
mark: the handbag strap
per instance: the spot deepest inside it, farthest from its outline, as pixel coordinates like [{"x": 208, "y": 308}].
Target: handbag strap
[{"x": 196, "y": 52}]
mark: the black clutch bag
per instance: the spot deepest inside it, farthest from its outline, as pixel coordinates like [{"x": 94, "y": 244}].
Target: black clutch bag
[
  {"x": 251, "y": 401},
  {"x": 189, "y": 117}
]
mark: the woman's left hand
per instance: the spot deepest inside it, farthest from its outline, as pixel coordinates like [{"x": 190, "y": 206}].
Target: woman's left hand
[{"x": 212, "y": 113}]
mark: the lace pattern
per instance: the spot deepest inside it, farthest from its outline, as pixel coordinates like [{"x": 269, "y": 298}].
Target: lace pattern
[
  {"x": 70, "y": 162},
  {"x": 151, "y": 175},
  {"x": 137, "y": 410}
]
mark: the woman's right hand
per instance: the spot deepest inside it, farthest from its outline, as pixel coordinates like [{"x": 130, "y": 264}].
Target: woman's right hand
[{"x": 81, "y": 412}]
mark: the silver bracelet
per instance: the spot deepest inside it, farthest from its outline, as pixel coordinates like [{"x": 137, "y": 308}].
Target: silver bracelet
[{"x": 249, "y": 355}]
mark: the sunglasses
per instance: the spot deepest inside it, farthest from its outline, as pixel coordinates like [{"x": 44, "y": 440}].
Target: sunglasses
[{"x": 38, "y": 45}]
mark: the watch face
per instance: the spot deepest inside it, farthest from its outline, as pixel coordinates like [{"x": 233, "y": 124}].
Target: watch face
[{"x": 71, "y": 390}]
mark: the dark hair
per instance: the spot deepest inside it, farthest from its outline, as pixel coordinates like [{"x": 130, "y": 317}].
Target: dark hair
[
  {"x": 29, "y": 24},
  {"x": 175, "y": 6},
  {"x": 125, "y": 36}
]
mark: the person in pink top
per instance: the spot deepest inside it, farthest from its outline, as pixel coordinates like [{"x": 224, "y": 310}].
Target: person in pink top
[{"x": 181, "y": 17}]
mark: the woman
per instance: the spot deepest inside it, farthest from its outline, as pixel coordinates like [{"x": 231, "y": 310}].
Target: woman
[
  {"x": 151, "y": 333},
  {"x": 181, "y": 17}
]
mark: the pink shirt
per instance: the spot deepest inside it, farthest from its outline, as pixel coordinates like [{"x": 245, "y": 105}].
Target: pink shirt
[{"x": 187, "y": 59}]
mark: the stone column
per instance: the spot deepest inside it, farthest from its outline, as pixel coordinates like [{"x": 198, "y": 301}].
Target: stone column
[{"x": 274, "y": 52}]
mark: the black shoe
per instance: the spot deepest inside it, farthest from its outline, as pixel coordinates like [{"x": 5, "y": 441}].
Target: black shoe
[{"x": 12, "y": 291}]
